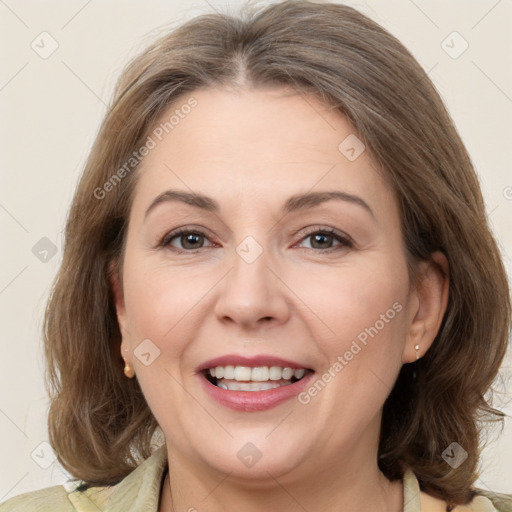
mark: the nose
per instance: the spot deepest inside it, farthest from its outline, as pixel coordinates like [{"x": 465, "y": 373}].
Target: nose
[{"x": 252, "y": 296}]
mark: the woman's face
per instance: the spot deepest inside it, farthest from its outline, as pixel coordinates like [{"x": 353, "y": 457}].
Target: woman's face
[{"x": 296, "y": 255}]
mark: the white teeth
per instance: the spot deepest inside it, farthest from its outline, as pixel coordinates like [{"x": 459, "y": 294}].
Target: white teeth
[
  {"x": 275, "y": 372},
  {"x": 256, "y": 374},
  {"x": 233, "y": 385},
  {"x": 229, "y": 372},
  {"x": 259, "y": 374},
  {"x": 287, "y": 373},
  {"x": 298, "y": 374},
  {"x": 242, "y": 372}
]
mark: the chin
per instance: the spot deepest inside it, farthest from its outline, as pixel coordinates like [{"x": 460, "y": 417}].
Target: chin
[{"x": 258, "y": 460}]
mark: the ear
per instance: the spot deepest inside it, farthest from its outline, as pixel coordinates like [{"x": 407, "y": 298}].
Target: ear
[
  {"x": 117, "y": 293},
  {"x": 427, "y": 306}
]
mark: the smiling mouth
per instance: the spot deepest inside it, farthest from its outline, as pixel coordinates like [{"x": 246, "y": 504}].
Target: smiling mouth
[{"x": 260, "y": 378}]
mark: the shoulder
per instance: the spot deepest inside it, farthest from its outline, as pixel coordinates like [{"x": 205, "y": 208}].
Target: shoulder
[
  {"x": 38, "y": 501},
  {"x": 58, "y": 499},
  {"x": 416, "y": 500},
  {"x": 482, "y": 502},
  {"x": 490, "y": 501},
  {"x": 139, "y": 490}
]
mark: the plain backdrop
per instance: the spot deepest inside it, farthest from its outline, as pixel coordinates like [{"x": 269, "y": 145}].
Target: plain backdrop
[{"x": 52, "y": 104}]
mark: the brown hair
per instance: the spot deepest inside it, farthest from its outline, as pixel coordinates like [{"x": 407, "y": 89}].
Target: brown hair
[{"x": 99, "y": 423}]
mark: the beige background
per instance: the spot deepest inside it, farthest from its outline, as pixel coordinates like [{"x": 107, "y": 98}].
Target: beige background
[{"x": 51, "y": 109}]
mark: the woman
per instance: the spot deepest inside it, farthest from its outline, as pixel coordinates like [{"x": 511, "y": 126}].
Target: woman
[{"x": 278, "y": 258}]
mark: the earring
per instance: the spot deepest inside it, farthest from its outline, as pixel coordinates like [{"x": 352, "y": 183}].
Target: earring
[
  {"x": 414, "y": 374},
  {"x": 128, "y": 370}
]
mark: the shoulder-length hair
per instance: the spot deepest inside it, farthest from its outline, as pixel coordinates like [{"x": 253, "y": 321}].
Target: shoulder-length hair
[{"x": 99, "y": 422}]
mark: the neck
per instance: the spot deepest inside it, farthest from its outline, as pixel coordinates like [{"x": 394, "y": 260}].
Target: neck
[{"x": 333, "y": 488}]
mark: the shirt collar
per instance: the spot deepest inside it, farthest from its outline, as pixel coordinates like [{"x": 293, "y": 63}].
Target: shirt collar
[
  {"x": 140, "y": 490},
  {"x": 411, "y": 492}
]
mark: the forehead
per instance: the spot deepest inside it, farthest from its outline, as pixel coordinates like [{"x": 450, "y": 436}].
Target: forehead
[{"x": 254, "y": 144}]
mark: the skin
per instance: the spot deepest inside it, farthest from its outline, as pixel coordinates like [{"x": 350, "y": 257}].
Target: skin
[{"x": 251, "y": 150}]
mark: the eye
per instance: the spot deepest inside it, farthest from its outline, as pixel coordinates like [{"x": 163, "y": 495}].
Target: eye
[
  {"x": 325, "y": 240},
  {"x": 188, "y": 240},
  {"x": 184, "y": 240}
]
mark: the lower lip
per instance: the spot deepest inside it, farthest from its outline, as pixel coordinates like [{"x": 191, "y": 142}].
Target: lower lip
[{"x": 252, "y": 401}]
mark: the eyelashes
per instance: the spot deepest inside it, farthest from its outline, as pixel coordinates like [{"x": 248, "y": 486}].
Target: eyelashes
[
  {"x": 188, "y": 239},
  {"x": 183, "y": 234},
  {"x": 331, "y": 234}
]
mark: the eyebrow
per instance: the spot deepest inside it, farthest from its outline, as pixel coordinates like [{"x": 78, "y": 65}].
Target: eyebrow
[{"x": 294, "y": 203}]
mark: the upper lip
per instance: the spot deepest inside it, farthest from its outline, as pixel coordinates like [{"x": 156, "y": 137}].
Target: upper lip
[{"x": 253, "y": 361}]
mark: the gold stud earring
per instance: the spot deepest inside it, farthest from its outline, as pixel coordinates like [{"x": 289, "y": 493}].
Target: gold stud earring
[
  {"x": 128, "y": 370},
  {"x": 417, "y": 347}
]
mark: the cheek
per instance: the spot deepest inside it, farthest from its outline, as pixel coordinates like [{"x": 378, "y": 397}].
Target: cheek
[
  {"x": 355, "y": 302},
  {"x": 158, "y": 296},
  {"x": 161, "y": 306},
  {"x": 364, "y": 309}
]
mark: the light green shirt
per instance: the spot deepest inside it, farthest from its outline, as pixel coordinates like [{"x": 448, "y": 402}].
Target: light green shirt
[{"x": 140, "y": 492}]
